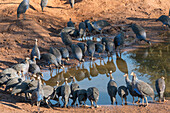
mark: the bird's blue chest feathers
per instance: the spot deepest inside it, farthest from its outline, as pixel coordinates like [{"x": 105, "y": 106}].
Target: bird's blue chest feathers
[
  {"x": 40, "y": 97},
  {"x": 137, "y": 91}
]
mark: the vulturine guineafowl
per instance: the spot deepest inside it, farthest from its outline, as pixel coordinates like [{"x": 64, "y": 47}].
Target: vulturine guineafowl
[
  {"x": 83, "y": 47},
  {"x": 57, "y": 54},
  {"x": 112, "y": 89},
  {"x": 66, "y": 38},
  {"x": 37, "y": 94},
  {"x": 70, "y": 23},
  {"x": 74, "y": 87},
  {"x": 65, "y": 53},
  {"x": 142, "y": 88},
  {"x": 50, "y": 59},
  {"x": 72, "y": 2},
  {"x": 93, "y": 95},
  {"x": 35, "y": 51},
  {"x": 100, "y": 48},
  {"x": 91, "y": 48},
  {"x": 130, "y": 88},
  {"x": 109, "y": 47},
  {"x": 77, "y": 52},
  {"x": 165, "y": 20},
  {"x": 123, "y": 93},
  {"x": 34, "y": 69},
  {"x": 43, "y": 4},
  {"x": 65, "y": 93},
  {"x": 82, "y": 30},
  {"x": 140, "y": 32},
  {"x": 82, "y": 96},
  {"x": 13, "y": 82},
  {"x": 99, "y": 25},
  {"x": 119, "y": 40},
  {"x": 160, "y": 88},
  {"x": 22, "y": 8},
  {"x": 22, "y": 68}
]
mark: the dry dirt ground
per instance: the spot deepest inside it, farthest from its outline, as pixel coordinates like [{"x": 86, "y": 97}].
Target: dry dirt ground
[{"x": 17, "y": 37}]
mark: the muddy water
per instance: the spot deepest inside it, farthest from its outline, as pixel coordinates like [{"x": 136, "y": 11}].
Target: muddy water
[{"x": 149, "y": 64}]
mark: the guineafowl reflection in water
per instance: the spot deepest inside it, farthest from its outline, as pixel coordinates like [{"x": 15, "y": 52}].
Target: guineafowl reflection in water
[
  {"x": 101, "y": 68},
  {"x": 110, "y": 66},
  {"x": 121, "y": 64},
  {"x": 93, "y": 70}
]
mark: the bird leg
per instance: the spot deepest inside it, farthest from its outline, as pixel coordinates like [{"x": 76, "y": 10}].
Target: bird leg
[
  {"x": 116, "y": 102},
  {"x": 46, "y": 100},
  {"x": 38, "y": 105},
  {"x": 122, "y": 100},
  {"x": 96, "y": 105},
  {"x": 125, "y": 101},
  {"x": 24, "y": 16},
  {"x": 146, "y": 100},
  {"x": 91, "y": 103},
  {"x": 138, "y": 101},
  {"x": 142, "y": 101},
  {"x": 22, "y": 74},
  {"x": 133, "y": 99}
]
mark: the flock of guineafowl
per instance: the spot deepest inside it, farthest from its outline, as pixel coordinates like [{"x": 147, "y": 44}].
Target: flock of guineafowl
[{"x": 14, "y": 77}]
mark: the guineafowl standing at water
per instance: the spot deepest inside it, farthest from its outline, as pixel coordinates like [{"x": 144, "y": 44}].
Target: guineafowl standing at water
[
  {"x": 57, "y": 54},
  {"x": 123, "y": 93},
  {"x": 50, "y": 59},
  {"x": 65, "y": 93},
  {"x": 82, "y": 96},
  {"x": 142, "y": 88},
  {"x": 77, "y": 52},
  {"x": 93, "y": 95},
  {"x": 35, "y": 51},
  {"x": 72, "y": 2},
  {"x": 100, "y": 48},
  {"x": 43, "y": 4},
  {"x": 74, "y": 87},
  {"x": 129, "y": 86},
  {"x": 22, "y": 8},
  {"x": 119, "y": 40},
  {"x": 140, "y": 32},
  {"x": 37, "y": 94},
  {"x": 82, "y": 30},
  {"x": 109, "y": 47},
  {"x": 160, "y": 88},
  {"x": 91, "y": 48},
  {"x": 66, "y": 38},
  {"x": 112, "y": 89},
  {"x": 34, "y": 69},
  {"x": 83, "y": 47},
  {"x": 64, "y": 53}
]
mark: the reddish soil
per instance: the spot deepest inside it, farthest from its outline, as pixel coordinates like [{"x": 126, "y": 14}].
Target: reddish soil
[{"x": 17, "y": 37}]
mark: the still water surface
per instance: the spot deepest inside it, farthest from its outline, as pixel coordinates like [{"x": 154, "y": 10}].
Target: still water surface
[{"x": 149, "y": 64}]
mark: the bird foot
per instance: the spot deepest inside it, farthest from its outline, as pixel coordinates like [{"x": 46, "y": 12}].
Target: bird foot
[
  {"x": 96, "y": 106},
  {"x": 68, "y": 106},
  {"x": 142, "y": 105},
  {"x": 137, "y": 102},
  {"x": 165, "y": 100}
]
